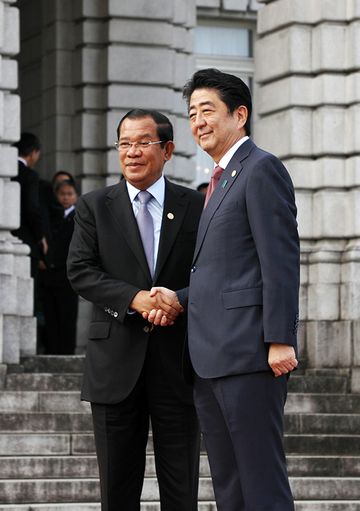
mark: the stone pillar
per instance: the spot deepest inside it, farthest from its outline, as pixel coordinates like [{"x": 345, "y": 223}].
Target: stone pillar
[
  {"x": 130, "y": 54},
  {"x": 308, "y": 72},
  {"x": 17, "y": 326},
  {"x": 46, "y": 81}
]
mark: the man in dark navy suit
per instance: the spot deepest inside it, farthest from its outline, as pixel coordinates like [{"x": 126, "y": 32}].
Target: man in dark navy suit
[
  {"x": 132, "y": 370},
  {"x": 242, "y": 300}
]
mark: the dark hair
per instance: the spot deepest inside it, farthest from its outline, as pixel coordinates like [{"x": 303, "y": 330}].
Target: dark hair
[
  {"x": 231, "y": 89},
  {"x": 202, "y": 186},
  {"x": 27, "y": 144},
  {"x": 67, "y": 182},
  {"x": 70, "y": 177},
  {"x": 164, "y": 126}
]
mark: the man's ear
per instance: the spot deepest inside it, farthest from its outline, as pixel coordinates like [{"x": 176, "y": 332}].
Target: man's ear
[
  {"x": 242, "y": 115},
  {"x": 169, "y": 149}
]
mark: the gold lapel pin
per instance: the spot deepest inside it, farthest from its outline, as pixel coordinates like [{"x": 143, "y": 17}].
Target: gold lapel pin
[
  {"x": 170, "y": 216},
  {"x": 233, "y": 173}
]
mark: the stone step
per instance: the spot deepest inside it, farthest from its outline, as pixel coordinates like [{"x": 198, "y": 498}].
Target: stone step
[
  {"x": 22, "y": 491},
  {"x": 51, "y": 364},
  {"x": 318, "y": 384},
  {"x": 323, "y": 466},
  {"x": 33, "y": 401},
  {"x": 316, "y": 505},
  {"x": 45, "y": 422},
  {"x": 52, "y": 381},
  {"x": 43, "y": 381},
  {"x": 37, "y": 444},
  {"x": 57, "y": 401},
  {"x": 336, "y": 445},
  {"x": 319, "y": 423},
  {"x": 322, "y": 403},
  {"x": 57, "y": 467},
  {"x": 301, "y": 423}
]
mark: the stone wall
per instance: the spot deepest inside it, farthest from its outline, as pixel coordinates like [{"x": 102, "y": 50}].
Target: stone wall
[
  {"x": 84, "y": 64},
  {"x": 308, "y": 70},
  {"x": 17, "y": 326}
]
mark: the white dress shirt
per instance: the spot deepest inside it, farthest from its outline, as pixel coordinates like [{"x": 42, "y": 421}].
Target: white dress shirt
[
  {"x": 68, "y": 210},
  {"x": 225, "y": 160},
  {"x": 155, "y": 206}
]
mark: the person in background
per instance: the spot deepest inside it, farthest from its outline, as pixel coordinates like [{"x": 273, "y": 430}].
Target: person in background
[
  {"x": 51, "y": 210},
  {"x": 52, "y": 217},
  {"x": 59, "y": 301},
  {"x": 31, "y": 229},
  {"x": 202, "y": 188}
]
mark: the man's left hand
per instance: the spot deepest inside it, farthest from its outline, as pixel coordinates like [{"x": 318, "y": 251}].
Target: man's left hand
[{"x": 282, "y": 358}]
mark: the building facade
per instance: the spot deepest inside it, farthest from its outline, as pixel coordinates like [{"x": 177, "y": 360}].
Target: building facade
[{"x": 76, "y": 66}]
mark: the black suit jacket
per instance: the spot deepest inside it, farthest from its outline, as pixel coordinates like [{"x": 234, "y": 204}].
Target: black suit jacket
[
  {"x": 59, "y": 243},
  {"x": 31, "y": 225},
  {"x": 107, "y": 266},
  {"x": 244, "y": 283}
]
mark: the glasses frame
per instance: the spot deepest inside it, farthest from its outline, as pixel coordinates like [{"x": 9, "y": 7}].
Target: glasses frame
[{"x": 137, "y": 145}]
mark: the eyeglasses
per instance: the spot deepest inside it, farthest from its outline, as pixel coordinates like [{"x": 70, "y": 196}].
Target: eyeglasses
[{"x": 125, "y": 146}]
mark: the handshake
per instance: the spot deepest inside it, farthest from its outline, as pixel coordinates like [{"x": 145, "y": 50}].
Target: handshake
[{"x": 159, "y": 306}]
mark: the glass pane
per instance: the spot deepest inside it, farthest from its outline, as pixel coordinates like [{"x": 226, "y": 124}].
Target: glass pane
[{"x": 229, "y": 41}]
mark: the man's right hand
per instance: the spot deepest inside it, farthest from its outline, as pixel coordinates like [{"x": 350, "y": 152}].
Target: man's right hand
[
  {"x": 166, "y": 306},
  {"x": 164, "y": 296}
]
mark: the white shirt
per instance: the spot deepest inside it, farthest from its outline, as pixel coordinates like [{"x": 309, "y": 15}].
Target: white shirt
[
  {"x": 22, "y": 161},
  {"x": 155, "y": 206},
  {"x": 225, "y": 160},
  {"x": 69, "y": 210}
]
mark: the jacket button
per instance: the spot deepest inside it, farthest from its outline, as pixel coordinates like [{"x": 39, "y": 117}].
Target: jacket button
[
  {"x": 193, "y": 269},
  {"x": 146, "y": 329},
  {"x": 116, "y": 314}
]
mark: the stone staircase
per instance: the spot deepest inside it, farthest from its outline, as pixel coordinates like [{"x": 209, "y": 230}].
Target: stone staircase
[{"x": 47, "y": 460}]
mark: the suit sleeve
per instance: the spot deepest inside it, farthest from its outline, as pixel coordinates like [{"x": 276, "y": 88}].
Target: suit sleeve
[
  {"x": 271, "y": 210},
  {"x": 85, "y": 272},
  {"x": 31, "y": 203}
]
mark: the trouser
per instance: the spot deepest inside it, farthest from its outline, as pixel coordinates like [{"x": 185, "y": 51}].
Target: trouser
[
  {"x": 121, "y": 434},
  {"x": 241, "y": 419}
]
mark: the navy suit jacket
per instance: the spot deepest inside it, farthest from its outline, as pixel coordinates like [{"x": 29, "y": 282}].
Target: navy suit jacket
[
  {"x": 244, "y": 284},
  {"x": 107, "y": 266}
]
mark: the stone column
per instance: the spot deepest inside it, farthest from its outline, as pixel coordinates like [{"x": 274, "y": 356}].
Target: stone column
[
  {"x": 308, "y": 71},
  {"x": 130, "y": 54},
  {"x": 17, "y": 326}
]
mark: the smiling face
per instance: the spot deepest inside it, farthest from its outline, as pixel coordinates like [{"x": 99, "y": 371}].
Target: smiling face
[
  {"x": 142, "y": 166},
  {"x": 213, "y": 127}
]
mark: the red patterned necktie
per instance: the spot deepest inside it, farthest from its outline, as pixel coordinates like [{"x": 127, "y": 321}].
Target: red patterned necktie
[{"x": 215, "y": 178}]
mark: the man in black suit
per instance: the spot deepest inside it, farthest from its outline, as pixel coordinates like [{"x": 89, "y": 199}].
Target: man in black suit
[
  {"x": 31, "y": 230},
  {"x": 242, "y": 300},
  {"x": 132, "y": 370}
]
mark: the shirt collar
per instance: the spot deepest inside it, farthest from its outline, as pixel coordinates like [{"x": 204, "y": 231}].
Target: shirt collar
[
  {"x": 23, "y": 161},
  {"x": 157, "y": 190},
  {"x": 225, "y": 160},
  {"x": 69, "y": 210}
]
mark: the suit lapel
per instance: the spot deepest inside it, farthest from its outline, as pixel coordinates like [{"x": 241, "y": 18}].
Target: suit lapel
[
  {"x": 175, "y": 206},
  {"x": 120, "y": 207},
  {"x": 228, "y": 178}
]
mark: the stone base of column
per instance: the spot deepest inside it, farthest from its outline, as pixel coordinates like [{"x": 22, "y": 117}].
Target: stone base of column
[{"x": 17, "y": 324}]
